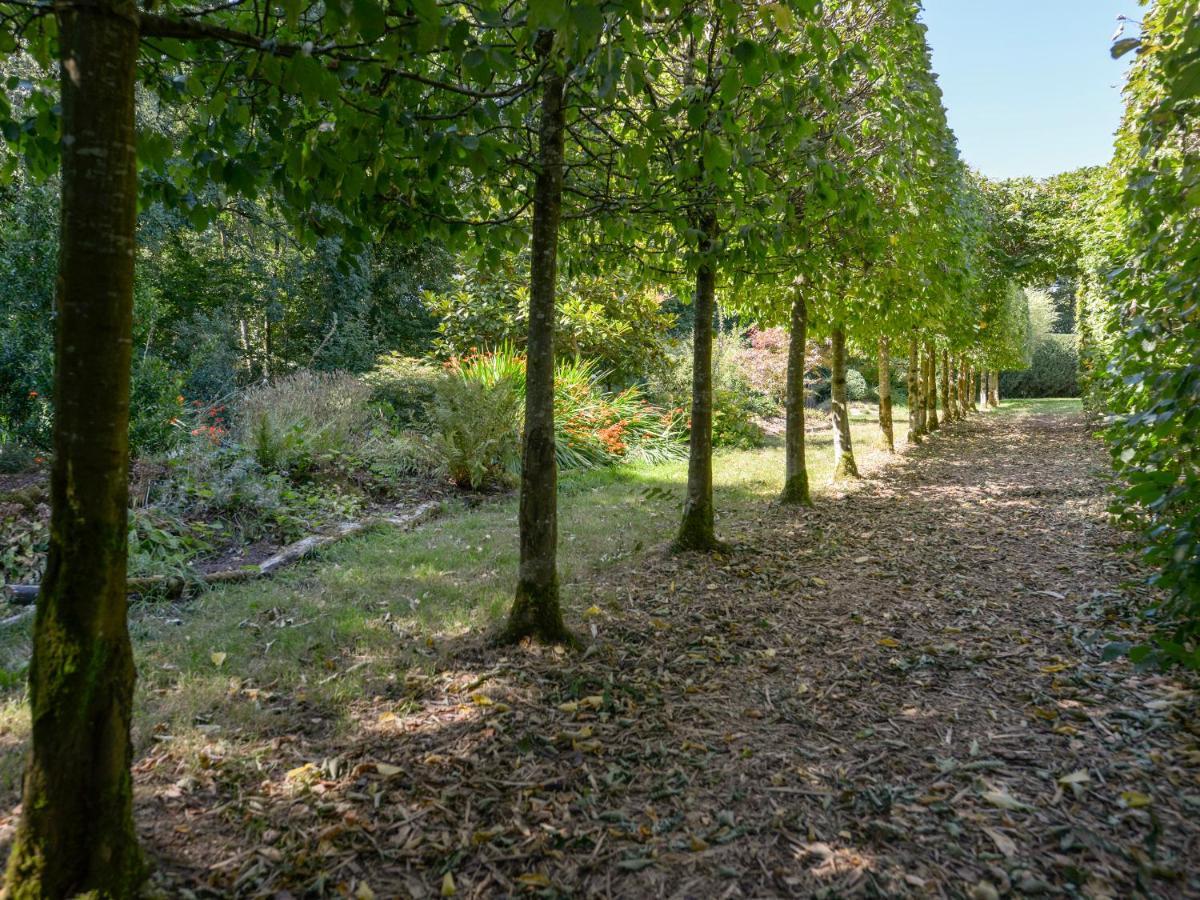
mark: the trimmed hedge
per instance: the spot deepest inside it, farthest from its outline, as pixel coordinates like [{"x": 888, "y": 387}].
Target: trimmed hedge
[{"x": 1053, "y": 371}]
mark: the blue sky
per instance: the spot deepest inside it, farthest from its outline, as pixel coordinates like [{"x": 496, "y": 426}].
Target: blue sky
[{"x": 1030, "y": 87}]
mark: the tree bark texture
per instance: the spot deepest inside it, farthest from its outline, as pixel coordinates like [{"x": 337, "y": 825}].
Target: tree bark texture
[
  {"x": 885, "y": 395},
  {"x": 536, "y": 611},
  {"x": 844, "y": 465},
  {"x": 993, "y": 398},
  {"x": 795, "y": 481},
  {"x": 76, "y": 832},
  {"x": 930, "y": 393},
  {"x": 947, "y": 399},
  {"x": 916, "y": 407},
  {"x": 696, "y": 531}
]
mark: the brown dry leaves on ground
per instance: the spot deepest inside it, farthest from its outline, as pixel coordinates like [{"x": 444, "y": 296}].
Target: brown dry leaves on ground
[{"x": 899, "y": 693}]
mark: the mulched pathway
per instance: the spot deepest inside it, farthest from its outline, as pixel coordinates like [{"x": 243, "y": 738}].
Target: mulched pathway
[{"x": 898, "y": 693}]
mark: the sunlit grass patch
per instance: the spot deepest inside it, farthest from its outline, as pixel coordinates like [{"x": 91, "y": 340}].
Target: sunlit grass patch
[{"x": 1043, "y": 406}]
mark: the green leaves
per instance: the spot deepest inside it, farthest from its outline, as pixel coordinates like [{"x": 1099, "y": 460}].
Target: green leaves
[{"x": 1123, "y": 46}]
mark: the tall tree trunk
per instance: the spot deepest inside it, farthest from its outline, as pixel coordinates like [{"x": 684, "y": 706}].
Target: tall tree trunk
[
  {"x": 536, "y": 611},
  {"x": 947, "y": 400},
  {"x": 981, "y": 387},
  {"x": 931, "y": 387},
  {"x": 795, "y": 481},
  {"x": 962, "y": 386},
  {"x": 916, "y": 407},
  {"x": 885, "y": 395},
  {"x": 843, "y": 449},
  {"x": 993, "y": 398},
  {"x": 696, "y": 530},
  {"x": 76, "y": 833}
]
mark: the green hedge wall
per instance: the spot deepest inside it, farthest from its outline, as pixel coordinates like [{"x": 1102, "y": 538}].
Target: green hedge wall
[{"x": 1053, "y": 370}]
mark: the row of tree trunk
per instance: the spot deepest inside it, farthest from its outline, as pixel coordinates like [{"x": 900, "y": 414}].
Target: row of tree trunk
[{"x": 76, "y": 833}]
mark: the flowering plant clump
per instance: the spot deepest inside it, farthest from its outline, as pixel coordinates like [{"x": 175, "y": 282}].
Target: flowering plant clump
[{"x": 208, "y": 422}]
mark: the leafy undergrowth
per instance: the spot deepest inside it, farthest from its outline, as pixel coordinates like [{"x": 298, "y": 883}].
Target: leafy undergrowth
[{"x": 898, "y": 692}]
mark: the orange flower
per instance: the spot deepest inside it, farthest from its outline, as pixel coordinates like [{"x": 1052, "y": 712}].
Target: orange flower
[{"x": 32, "y": 394}]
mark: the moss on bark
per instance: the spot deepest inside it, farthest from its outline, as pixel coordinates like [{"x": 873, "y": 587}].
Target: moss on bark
[{"x": 76, "y": 834}]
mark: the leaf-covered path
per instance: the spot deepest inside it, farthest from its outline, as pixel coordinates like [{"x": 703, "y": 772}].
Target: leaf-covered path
[{"x": 898, "y": 693}]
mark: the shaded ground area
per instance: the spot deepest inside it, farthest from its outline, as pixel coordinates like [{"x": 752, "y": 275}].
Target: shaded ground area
[{"x": 898, "y": 693}]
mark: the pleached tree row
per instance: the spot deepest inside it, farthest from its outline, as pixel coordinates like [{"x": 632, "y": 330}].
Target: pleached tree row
[{"x": 789, "y": 161}]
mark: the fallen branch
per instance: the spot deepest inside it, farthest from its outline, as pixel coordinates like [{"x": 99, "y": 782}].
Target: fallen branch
[{"x": 174, "y": 585}]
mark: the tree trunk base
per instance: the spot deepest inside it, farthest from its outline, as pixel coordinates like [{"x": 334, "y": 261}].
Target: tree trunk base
[
  {"x": 795, "y": 492},
  {"x": 537, "y": 615},
  {"x": 27, "y": 879},
  {"x": 696, "y": 534},
  {"x": 846, "y": 469}
]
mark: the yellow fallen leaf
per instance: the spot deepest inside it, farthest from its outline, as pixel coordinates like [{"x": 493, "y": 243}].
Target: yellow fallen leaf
[
  {"x": 481, "y": 700},
  {"x": 571, "y": 707},
  {"x": 448, "y": 888},
  {"x": 387, "y": 770},
  {"x": 217, "y": 657},
  {"x": 595, "y": 701},
  {"x": 1136, "y": 799},
  {"x": 364, "y": 892},
  {"x": 1057, "y": 667},
  {"x": 535, "y": 879},
  {"x": 591, "y": 612},
  {"x": 1003, "y": 801},
  {"x": 301, "y": 772},
  {"x": 889, "y": 642},
  {"x": 698, "y": 845}
]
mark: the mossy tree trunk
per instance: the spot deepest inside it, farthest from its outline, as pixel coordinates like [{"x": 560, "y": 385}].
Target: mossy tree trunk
[
  {"x": 930, "y": 392},
  {"x": 947, "y": 399},
  {"x": 795, "y": 481},
  {"x": 885, "y": 395},
  {"x": 696, "y": 531},
  {"x": 993, "y": 395},
  {"x": 76, "y": 832},
  {"x": 916, "y": 407},
  {"x": 844, "y": 465},
  {"x": 536, "y": 611}
]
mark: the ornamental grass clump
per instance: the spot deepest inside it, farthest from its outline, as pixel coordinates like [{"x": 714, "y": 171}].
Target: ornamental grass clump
[{"x": 304, "y": 419}]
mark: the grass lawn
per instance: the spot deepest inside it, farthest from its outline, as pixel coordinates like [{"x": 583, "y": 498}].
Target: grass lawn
[
  {"x": 1054, "y": 405},
  {"x": 348, "y": 623}
]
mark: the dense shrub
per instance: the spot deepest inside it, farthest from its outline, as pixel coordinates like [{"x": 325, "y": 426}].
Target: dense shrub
[
  {"x": 1053, "y": 371},
  {"x": 763, "y": 363},
  {"x": 404, "y": 386},
  {"x": 304, "y": 419},
  {"x": 736, "y": 403},
  {"x": 856, "y": 386},
  {"x": 154, "y": 405},
  {"x": 614, "y": 319},
  {"x": 16, "y": 457}
]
